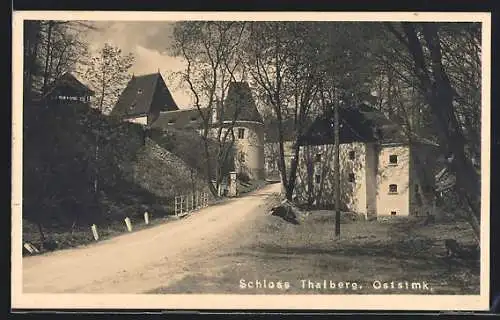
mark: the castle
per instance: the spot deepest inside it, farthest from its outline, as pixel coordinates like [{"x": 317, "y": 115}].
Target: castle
[
  {"x": 147, "y": 100},
  {"x": 381, "y": 167}
]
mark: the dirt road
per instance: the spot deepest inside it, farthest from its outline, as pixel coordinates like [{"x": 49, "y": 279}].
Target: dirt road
[{"x": 150, "y": 258}]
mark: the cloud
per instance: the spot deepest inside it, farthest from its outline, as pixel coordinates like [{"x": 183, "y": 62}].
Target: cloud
[
  {"x": 148, "y": 41},
  {"x": 150, "y": 61},
  {"x": 151, "y": 35}
]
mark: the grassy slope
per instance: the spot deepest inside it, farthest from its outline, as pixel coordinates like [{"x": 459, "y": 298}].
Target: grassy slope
[{"x": 59, "y": 167}]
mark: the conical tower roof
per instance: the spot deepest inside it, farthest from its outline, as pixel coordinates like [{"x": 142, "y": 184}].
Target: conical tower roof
[{"x": 239, "y": 104}]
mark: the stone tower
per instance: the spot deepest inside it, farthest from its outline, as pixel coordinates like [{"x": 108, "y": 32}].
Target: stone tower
[{"x": 239, "y": 106}]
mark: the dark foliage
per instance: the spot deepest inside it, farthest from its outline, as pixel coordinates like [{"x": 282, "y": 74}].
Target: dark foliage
[{"x": 60, "y": 169}]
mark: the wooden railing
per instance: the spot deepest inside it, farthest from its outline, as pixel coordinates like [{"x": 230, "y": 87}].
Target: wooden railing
[{"x": 185, "y": 204}]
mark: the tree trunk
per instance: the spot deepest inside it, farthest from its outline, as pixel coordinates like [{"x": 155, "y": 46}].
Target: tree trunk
[
  {"x": 211, "y": 187},
  {"x": 32, "y": 42},
  {"x": 281, "y": 151},
  {"x": 42, "y": 235},
  {"x": 293, "y": 171},
  {"x": 439, "y": 95},
  {"x": 47, "y": 58},
  {"x": 467, "y": 178},
  {"x": 193, "y": 183},
  {"x": 310, "y": 176},
  {"x": 336, "y": 168}
]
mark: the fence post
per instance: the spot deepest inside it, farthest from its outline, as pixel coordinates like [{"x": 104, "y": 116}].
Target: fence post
[
  {"x": 31, "y": 248},
  {"x": 129, "y": 224},
  {"x": 94, "y": 232},
  {"x": 182, "y": 200}
]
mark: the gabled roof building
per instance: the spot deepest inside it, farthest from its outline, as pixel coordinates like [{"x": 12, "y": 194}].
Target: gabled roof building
[
  {"x": 147, "y": 100},
  {"x": 143, "y": 99},
  {"x": 68, "y": 89}
]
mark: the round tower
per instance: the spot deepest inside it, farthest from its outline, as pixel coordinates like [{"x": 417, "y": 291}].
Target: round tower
[
  {"x": 248, "y": 128},
  {"x": 250, "y": 148}
]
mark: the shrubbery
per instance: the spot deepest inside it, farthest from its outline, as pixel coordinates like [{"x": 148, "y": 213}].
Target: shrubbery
[{"x": 60, "y": 167}]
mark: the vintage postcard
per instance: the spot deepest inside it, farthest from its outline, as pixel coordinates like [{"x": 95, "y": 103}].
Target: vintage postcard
[{"x": 251, "y": 160}]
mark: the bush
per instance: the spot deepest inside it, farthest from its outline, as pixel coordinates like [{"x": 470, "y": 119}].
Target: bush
[{"x": 60, "y": 165}]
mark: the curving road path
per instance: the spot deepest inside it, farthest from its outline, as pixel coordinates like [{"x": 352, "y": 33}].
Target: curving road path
[{"x": 149, "y": 258}]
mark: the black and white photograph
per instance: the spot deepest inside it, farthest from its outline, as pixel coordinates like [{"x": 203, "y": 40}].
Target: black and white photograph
[{"x": 251, "y": 160}]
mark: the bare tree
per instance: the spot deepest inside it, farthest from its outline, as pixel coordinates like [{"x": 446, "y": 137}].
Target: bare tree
[
  {"x": 31, "y": 44},
  {"x": 428, "y": 46},
  {"x": 212, "y": 54},
  {"x": 282, "y": 59},
  {"x": 107, "y": 73},
  {"x": 58, "y": 48}
]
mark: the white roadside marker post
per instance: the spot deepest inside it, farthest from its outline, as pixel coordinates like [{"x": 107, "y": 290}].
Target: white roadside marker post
[
  {"x": 35, "y": 250},
  {"x": 28, "y": 247},
  {"x": 146, "y": 217},
  {"x": 94, "y": 232},
  {"x": 129, "y": 224}
]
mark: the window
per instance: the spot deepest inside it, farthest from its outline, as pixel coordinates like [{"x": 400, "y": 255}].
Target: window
[
  {"x": 352, "y": 177},
  {"x": 393, "y": 188},
  {"x": 317, "y": 158},
  {"x": 393, "y": 213},
  {"x": 393, "y": 159},
  {"x": 352, "y": 155},
  {"x": 139, "y": 91},
  {"x": 241, "y": 133},
  {"x": 317, "y": 178}
]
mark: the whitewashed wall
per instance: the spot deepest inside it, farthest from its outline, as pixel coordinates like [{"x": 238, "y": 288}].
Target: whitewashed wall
[
  {"x": 317, "y": 186},
  {"x": 398, "y": 174}
]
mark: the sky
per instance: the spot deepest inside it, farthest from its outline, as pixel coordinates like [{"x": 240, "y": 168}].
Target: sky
[{"x": 148, "y": 41}]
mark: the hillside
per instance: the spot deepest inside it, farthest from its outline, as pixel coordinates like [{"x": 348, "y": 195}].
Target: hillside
[{"x": 60, "y": 168}]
